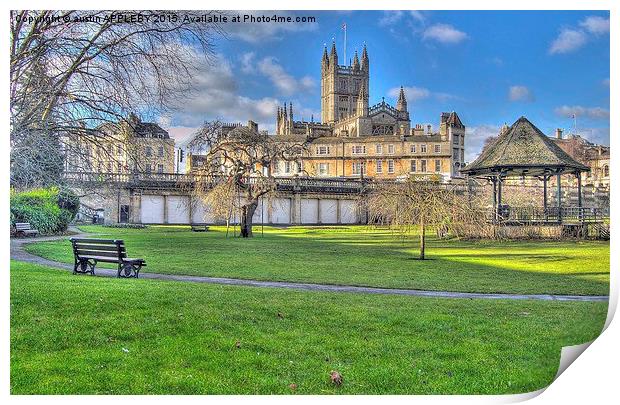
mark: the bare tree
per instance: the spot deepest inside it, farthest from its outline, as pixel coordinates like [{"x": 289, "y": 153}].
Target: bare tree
[
  {"x": 71, "y": 72},
  {"x": 239, "y": 165},
  {"x": 422, "y": 203}
]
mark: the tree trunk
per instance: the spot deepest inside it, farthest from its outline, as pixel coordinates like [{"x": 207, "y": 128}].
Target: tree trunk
[
  {"x": 247, "y": 212},
  {"x": 422, "y": 240}
]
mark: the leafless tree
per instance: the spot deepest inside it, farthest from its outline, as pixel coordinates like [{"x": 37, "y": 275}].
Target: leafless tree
[
  {"x": 238, "y": 168},
  {"x": 71, "y": 72},
  {"x": 423, "y": 203}
]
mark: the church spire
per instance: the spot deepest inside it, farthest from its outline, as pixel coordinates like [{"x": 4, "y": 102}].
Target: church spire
[
  {"x": 365, "y": 60},
  {"x": 401, "y": 105},
  {"x": 356, "y": 62}
]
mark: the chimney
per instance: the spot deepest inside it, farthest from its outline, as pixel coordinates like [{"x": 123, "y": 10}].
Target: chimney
[
  {"x": 428, "y": 130},
  {"x": 253, "y": 126},
  {"x": 558, "y": 133}
]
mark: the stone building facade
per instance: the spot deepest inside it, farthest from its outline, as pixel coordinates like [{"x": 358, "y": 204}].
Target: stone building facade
[
  {"x": 596, "y": 157},
  {"x": 129, "y": 146},
  {"x": 355, "y": 139}
]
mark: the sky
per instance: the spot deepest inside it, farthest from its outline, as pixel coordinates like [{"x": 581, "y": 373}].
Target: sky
[{"x": 491, "y": 67}]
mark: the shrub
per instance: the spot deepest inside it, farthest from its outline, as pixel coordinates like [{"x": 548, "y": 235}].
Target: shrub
[{"x": 49, "y": 210}]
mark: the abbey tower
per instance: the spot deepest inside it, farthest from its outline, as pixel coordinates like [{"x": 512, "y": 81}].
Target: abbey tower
[{"x": 344, "y": 89}]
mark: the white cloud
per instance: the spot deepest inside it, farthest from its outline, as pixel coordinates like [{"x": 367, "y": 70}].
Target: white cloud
[
  {"x": 415, "y": 93},
  {"x": 247, "y": 62},
  {"x": 257, "y": 32},
  {"x": 569, "y": 40},
  {"x": 390, "y": 17},
  {"x": 444, "y": 33},
  {"x": 596, "y": 25},
  {"x": 475, "y": 136},
  {"x": 417, "y": 15},
  {"x": 597, "y": 113},
  {"x": 283, "y": 81},
  {"x": 520, "y": 93}
]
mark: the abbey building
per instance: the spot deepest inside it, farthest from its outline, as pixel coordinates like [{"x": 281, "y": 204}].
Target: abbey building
[{"x": 356, "y": 139}]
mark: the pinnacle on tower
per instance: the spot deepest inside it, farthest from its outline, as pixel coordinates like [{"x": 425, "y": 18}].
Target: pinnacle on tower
[
  {"x": 325, "y": 60},
  {"x": 365, "y": 60},
  {"x": 290, "y": 110},
  {"x": 333, "y": 55},
  {"x": 356, "y": 62},
  {"x": 362, "y": 100},
  {"x": 401, "y": 105}
]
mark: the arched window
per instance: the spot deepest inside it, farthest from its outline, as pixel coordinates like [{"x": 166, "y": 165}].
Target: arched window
[{"x": 606, "y": 171}]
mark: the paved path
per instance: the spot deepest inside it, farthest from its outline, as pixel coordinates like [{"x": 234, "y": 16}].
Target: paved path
[{"x": 18, "y": 253}]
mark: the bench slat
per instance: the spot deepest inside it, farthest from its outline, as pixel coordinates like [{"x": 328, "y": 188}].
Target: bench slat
[
  {"x": 83, "y": 253},
  {"x": 90, "y": 246},
  {"x": 97, "y": 241}
]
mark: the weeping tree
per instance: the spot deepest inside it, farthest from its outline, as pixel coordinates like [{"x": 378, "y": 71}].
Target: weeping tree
[
  {"x": 238, "y": 167},
  {"x": 69, "y": 79},
  {"x": 421, "y": 203}
]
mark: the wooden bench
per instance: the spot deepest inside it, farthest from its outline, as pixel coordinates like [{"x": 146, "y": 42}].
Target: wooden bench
[
  {"x": 200, "y": 227},
  {"x": 88, "y": 252},
  {"x": 24, "y": 228}
]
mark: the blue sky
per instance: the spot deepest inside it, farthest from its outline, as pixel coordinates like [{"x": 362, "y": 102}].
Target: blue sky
[{"x": 489, "y": 66}]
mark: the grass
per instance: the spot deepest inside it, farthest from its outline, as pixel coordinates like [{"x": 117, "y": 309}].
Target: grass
[
  {"x": 90, "y": 335},
  {"x": 363, "y": 256}
]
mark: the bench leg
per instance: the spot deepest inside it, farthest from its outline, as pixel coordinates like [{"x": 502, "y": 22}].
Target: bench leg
[
  {"x": 83, "y": 266},
  {"x": 127, "y": 270}
]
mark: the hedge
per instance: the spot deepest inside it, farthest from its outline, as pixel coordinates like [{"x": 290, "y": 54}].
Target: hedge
[{"x": 50, "y": 210}]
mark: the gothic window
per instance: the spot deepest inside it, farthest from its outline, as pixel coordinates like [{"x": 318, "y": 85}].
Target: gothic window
[
  {"x": 383, "y": 129},
  {"x": 455, "y": 139},
  {"x": 455, "y": 154},
  {"x": 606, "y": 171}
]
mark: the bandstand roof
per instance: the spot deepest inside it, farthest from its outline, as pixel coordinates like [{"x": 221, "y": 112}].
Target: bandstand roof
[{"x": 523, "y": 150}]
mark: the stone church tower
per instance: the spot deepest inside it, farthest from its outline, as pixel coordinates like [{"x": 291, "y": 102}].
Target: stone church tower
[{"x": 343, "y": 85}]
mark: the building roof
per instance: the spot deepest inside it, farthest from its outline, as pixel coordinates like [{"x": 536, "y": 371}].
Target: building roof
[
  {"x": 452, "y": 119},
  {"x": 523, "y": 150}
]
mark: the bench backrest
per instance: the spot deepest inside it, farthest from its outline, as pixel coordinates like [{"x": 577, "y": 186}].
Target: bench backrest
[
  {"x": 113, "y": 248},
  {"x": 22, "y": 226}
]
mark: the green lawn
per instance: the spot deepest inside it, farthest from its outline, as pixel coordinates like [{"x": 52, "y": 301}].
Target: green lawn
[
  {"x": 363, "y": 256},
  {"x": 82, "y": 334}
]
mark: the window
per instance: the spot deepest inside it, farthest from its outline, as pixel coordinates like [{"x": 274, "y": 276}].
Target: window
[
  {"x": 276, "y": 165},
  {"x": 423, "y": 148},
  {"x": 300, "y": 167},
  {"x": 359, "y": 168},
  {"x": 148, "y": 168},
  {"x": 413, "y": 166},
  {"x": 455, "y": 139},
  {"x": 455, "y": 154},
  {"x": 322, "y": 150},
  {"x": 287, "y": 167},
  {"x": 606, "y": 171},
  {"x": 390, "y": 166},
  {"x": 149, "y": 151},
  {"x": 358, "y": 149},
  {"x": 379, "y": 165},
  {"x": 161, "y": 151},
  {"x": 119, "y": 167},
  {"x": 379, "y": 149},
  {"x": 437, "y": 165},
  {"x": 413, "y": 148},
  {"x": 160, "y": 168},
  {"x": 437, "y": 148},
  {"x": 323, "y": 169},
  {"x": 390, "y": 149},
  {"x": 423, "y": 166}
]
